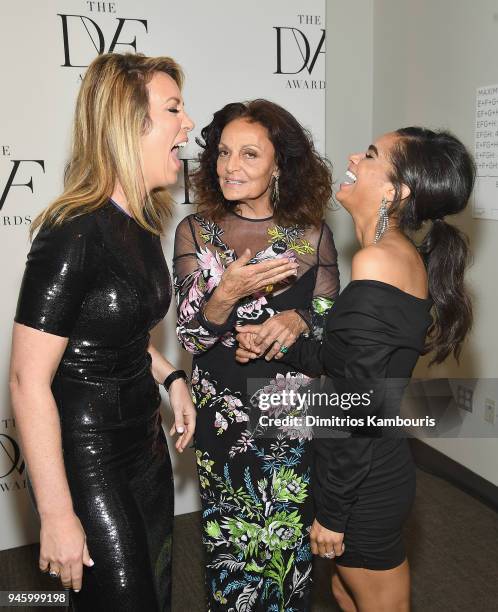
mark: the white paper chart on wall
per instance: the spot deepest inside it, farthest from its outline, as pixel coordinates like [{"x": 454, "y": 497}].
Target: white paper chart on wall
[{"x": 486, "y": 153}]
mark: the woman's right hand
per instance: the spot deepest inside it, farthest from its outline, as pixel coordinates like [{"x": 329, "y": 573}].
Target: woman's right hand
[
  {"x": 63, "y": 549},
  {"x": 240, "y": 280}
]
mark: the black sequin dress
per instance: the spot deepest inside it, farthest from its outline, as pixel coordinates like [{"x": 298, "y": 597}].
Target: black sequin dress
[{"x": 102, "y": 281}]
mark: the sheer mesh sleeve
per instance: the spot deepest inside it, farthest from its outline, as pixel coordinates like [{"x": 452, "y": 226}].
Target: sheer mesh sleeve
[
  {"x": 326, "y": 285},
  {"x": 193, "y": 289},
  {"x": 60, "y": 268}
]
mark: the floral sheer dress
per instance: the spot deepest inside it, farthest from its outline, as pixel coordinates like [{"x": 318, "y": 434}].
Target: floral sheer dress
[{"x": 257, "y": 508}]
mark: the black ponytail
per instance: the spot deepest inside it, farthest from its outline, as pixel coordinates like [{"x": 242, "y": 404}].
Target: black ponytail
[
  {"x": 440, "y": 174},
  {"x": 445, "y": 250}
]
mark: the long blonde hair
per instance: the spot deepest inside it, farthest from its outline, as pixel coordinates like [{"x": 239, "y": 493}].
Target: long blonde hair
[{"x": 112, "y": 112}]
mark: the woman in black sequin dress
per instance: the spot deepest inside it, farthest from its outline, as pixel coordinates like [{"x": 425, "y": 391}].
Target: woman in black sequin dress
[{"x": 84, "y": 375}]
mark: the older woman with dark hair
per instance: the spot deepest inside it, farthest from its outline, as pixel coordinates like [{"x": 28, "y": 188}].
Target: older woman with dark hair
[
  {"x": 257, "y": 251},
  {"x": 364, "y": 486}
]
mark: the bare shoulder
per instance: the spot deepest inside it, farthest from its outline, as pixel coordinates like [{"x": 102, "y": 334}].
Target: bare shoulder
[
  {"x": 371, "y": 262},
  {"x": 395, "y": 262}
]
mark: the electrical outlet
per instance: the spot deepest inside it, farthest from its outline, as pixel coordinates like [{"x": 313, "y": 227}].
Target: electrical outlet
[
  {"x": 465, "y": 398},
  {"x": 489, "y": 411}
]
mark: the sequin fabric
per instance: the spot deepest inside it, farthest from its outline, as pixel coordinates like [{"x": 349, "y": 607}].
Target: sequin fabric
[{"x": 101, "y": 281}]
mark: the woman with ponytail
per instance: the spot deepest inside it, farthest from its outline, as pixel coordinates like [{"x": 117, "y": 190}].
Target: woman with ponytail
[{"x": 403, "y": 300}]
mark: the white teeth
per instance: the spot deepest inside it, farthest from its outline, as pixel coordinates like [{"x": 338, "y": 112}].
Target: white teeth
[
  {"x": 233, "y": 182},
  {"x": 351, "y": 177},
  {"x": 181, "y": 144}
]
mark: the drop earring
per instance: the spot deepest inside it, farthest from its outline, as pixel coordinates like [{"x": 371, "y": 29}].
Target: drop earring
[
  {"x": 383, "y": 222},
  {"x": 275, "y": 193}
]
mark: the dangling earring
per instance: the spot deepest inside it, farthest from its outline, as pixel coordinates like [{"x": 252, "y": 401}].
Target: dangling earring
[
  {"x": 275, "y": 197},
  {"x": 383, "y": 222}
]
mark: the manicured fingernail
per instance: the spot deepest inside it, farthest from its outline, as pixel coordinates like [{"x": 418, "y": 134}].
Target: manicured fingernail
[
  {"x": 92, "y": 562},
  {"x": 179, "y": 429},
  {"x": 76, "y": 590}
]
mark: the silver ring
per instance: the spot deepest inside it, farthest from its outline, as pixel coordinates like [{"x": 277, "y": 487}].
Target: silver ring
[{"x": 329, "y": 555}]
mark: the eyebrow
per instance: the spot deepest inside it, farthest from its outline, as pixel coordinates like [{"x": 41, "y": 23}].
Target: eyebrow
[
  {"x": 374, "y": 149},
  {"x": 174, "y": 99},
  {"x": 221, "y": 144}
]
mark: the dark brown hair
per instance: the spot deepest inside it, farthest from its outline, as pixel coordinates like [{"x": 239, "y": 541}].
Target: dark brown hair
[
  {"x": 440, "y": 173},
  {"x": 305, "y": 180}
]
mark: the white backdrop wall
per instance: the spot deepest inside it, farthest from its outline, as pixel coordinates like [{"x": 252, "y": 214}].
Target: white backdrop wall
[
  {"x": 230, "y": 50},
  {"x": 429, "y": 59},
  {"x": 349, "y": 76}
]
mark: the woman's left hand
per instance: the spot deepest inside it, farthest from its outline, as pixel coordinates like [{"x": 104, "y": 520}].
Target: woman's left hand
[
  {"x": 326, "y": 543},
  {"x": 183, "y": 408},
  {"x": 280, "y": 330},
  {"x": 247, "y": 348}
]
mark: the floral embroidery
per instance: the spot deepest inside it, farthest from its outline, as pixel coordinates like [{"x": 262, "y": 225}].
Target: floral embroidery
[
  {"x": 258, "y": 522},
  {"x": 212, "y": 268},
  {"x": 211, "y": 233},
  {"x": 320, "y": 306},
  {"x": 292, "y": 237},
  {"x": 253, "y": 310}
]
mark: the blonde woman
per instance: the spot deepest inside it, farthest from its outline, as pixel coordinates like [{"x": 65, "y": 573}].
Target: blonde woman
[{"x": 84, "y": 375}]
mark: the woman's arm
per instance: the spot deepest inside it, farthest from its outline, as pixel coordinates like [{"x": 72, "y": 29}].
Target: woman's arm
[
  {"x": 180, "y": 399},
  {"x": 35, "y": 358},
  {"x": 208, "y": 291},
  {"x": 327, "y": 284},
  {"x": 61, "y": 267},
  {"x": 286, "y": 326}
]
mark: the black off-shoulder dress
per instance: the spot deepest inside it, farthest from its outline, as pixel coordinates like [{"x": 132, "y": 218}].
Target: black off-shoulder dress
[
  {"x": 364, "y": 486},
  {"x": 102, "y": 281}
]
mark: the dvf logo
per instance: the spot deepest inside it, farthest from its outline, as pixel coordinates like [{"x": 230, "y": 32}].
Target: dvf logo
[
  {"x": 10, "y": 457},
  {"x": 28, "y": 182},
  {"x": 300, "y": 53},
  {"x": 79, "y": 28}
]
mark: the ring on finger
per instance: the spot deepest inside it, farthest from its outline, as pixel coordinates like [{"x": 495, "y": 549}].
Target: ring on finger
[
  {"x": 53, "y": 574},
  {"x": 284, "y": 349},
  {"x": 329, "y": 555}
]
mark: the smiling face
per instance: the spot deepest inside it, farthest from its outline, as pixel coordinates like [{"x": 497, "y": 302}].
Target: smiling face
[
  {"x": 367, "y": 177},
  {"x": 169, "y": 125},
  {"x": 246, "y": 161}
]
